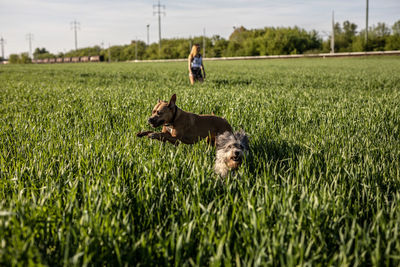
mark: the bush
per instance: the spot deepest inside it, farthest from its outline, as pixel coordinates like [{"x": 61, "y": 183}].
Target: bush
[{"x": 13, "y": 59}]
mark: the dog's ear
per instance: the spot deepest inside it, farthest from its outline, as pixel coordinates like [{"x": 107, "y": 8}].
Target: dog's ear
[
  {"x": 222, "y": 139},
  {"x": 244, "y": 139},
  {"x": 172, "y": 101},
  {"x": 245, "y": 142}
]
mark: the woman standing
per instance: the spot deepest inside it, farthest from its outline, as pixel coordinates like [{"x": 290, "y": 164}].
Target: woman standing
[{"x": 196, "y": 67}]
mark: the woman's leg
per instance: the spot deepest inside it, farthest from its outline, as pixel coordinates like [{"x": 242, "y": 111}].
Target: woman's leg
[{"x": 191, "y": 78}]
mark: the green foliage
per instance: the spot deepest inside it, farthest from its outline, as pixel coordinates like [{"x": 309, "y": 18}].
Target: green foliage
[
  {"x": 219, "y": 46},
  {"x": 396, "y": 28},
  {"x": 321, "y": 187},
  {"x": 393, "y": 42},
  {"x": 344, "y": 37},
  {"x": 13, "y": 59},
  {"x": 42, "y": 53},
  {"x": 22, "y": 58},
  {"x": 87, "y": 51},
  {"x": 271, "y": 41},
  {"x": 380, "y": 38},
  {"x": 253, "y": 42}
]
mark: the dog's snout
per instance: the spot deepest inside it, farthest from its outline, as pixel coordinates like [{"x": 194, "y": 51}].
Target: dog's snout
[{"x": 150, "y": 120}]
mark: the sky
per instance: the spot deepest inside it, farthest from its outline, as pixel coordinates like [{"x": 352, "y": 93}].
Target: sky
[{"x": 118, "y": 22}]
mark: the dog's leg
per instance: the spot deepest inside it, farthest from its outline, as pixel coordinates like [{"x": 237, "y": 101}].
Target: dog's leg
[
  {"x": 164, "y": 137},
  {"x": 141, "y": 134}
]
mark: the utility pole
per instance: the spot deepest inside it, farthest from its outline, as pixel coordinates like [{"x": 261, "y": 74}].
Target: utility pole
[
  {"x": 2, "y": 41},
  {"x": 366, "y": 28},
  {"x": 109, "y": 53},
  {"x": 75, "y": 26},
  {"x": 29, "y": 37},
  {"x": 159, "y": 13},
  {"x": 204, "y": 42},
  {"x": 148, "y": 35},
  {"x": 136, "y": 43},
  {"x": 333, "y": 33}
]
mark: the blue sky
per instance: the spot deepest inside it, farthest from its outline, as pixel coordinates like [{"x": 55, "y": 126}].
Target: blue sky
[{"x": 120, "y": 21}]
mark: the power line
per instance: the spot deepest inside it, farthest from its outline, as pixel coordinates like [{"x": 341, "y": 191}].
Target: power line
[
  {"x": 29, "y": 37},
  {"x": 159, "y": 13},
  {"x": 75, "y": 26}
]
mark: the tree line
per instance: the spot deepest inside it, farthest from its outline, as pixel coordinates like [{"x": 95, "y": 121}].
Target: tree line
[{"x": 244, "y": 42}]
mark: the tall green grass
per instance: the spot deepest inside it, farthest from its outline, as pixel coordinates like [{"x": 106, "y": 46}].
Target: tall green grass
[{"x": 322, "y": 186}]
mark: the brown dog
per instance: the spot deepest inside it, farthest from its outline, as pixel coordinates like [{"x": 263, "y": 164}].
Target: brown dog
[{"x": 179, "y": 125}]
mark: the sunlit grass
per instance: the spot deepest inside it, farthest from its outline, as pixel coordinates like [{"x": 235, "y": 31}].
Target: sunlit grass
[{"x": 322, "y": 186}]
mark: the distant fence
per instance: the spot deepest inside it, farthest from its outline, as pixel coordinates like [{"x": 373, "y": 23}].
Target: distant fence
[
  {"x": 323, "y": 55},
  {"x": 69, "y": 59}
]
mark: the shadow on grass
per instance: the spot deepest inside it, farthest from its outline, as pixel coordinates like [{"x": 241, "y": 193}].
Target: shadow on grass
[
  {"x": 230, "y": 82},
  {"x": 277, "y": 154}
]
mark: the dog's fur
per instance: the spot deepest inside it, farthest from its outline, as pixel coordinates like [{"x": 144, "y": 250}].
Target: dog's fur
[
  {"x": 231, "y": 150},
  {"x": 179, "y": 125}
]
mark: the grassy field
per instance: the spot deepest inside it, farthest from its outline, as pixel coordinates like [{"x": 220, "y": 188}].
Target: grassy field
[{"x": 322, "y": 186}]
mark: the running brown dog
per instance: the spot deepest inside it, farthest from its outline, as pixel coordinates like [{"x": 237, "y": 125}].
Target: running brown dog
[{"x": 179, "y": 125}]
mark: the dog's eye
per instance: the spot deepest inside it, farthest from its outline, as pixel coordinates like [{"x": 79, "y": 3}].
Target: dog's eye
[
  {"x": 158, "y": 112},
  {"x": 241, "y": 147}
]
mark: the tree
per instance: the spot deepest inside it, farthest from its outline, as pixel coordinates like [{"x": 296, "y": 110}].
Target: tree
[
  {"x": 219, "y": 46},
  {"x": 393, "y": 41},
  {"x": 396, "y": 28},
  {"x": 381, "y": 30},
  {"x": 349, "y": 31},
  {"x": 24, "y": 58},
  {"x": 14, "y": 59},
  {"x": 378, "y": 37},
  {"x": 39, "y": 51},
  {"x": 344, "y": 36}
]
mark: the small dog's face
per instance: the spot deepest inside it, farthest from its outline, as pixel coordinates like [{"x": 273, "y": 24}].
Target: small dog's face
[
  {"x": 232, "y": 147},
  {"x": 163, "y": 112}
]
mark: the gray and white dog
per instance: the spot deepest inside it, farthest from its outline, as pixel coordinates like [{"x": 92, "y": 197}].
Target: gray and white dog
[{"x": 231, "y": 150}]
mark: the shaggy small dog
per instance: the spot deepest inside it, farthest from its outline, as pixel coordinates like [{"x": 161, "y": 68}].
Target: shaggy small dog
[{"x": 231, "y": 149}]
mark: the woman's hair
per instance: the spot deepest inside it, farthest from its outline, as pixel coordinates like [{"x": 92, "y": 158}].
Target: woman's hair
[{"x": 194, "y": 51}]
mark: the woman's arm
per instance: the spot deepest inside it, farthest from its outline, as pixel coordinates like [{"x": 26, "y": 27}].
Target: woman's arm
[{"x": 189, "y": 63}]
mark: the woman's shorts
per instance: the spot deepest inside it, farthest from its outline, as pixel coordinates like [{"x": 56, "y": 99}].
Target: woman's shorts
[{"x": 197, "y": 73}]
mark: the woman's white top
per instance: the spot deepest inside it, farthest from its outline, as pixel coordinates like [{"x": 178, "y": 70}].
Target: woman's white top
[{"x": 196, "y": 62}]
